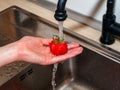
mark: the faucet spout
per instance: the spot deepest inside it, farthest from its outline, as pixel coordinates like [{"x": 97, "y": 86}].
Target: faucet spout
[{"x": 60, "y": 13}]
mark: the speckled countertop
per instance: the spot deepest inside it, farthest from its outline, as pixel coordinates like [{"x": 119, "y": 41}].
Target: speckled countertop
[{"x": 8, "y": 71}]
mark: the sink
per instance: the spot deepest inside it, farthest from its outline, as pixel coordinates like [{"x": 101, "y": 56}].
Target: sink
[{"x": 97, "y": 68}]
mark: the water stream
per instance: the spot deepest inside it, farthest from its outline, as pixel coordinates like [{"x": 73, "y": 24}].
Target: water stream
[
  {"x": 53, "y": 75},
  {"x": 56, "y": 65},
  {"x": 60, "y": 26}
]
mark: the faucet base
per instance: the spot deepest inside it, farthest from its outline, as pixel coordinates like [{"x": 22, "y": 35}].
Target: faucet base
[{"x": 107, "y": 39}]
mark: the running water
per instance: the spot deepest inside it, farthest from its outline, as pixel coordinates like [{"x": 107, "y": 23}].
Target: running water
[
  {"x": 56, "y": 65},
  {"x": 53, "y": 75},
  {"x": 60, "y": 29}
]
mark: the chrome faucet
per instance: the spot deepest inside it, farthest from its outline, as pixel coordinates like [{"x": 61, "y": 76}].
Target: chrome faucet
[
  {"x": 110, "y": 28},
  {"x": 60, "y": 13}
]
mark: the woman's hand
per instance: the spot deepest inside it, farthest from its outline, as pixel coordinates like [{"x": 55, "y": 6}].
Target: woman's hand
[{"x": 36, "y": 50}]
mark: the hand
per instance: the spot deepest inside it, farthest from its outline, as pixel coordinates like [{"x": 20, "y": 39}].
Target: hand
[{"x": 36, "y": 50}]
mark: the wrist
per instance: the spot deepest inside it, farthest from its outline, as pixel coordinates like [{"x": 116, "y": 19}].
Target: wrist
[{"x": 8, "y": 54}]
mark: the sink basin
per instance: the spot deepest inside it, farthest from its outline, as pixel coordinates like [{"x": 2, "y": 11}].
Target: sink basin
[{"x": 97, "y": 68}]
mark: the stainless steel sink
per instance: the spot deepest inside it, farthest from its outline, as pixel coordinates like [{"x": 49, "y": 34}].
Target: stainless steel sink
[{"x": 97, "y": 68}]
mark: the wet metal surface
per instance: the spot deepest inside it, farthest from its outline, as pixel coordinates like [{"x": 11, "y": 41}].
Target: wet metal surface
[{"x": 97, "y": 68}]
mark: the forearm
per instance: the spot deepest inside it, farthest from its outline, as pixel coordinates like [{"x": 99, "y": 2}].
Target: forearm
[{"x": 8, "y": 54}]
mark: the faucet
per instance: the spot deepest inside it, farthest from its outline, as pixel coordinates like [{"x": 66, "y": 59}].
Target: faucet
[
  {"x": 110, "y": 28},
  {"x": 60, "y": 13}
]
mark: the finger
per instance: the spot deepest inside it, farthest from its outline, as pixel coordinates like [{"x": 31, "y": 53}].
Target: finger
[
  {"x": 73, "y": 45},
  {"x": 69, "y": 54}
]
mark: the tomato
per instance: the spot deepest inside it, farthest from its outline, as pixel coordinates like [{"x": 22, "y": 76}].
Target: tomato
[{"x": 57, "y": 47}]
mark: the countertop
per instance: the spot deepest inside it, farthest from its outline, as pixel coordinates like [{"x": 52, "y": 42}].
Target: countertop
[{"x": 11, "y": 70}]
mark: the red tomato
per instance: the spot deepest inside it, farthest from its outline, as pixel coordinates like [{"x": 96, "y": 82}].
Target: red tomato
[{"x": 58, "y": 48}]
